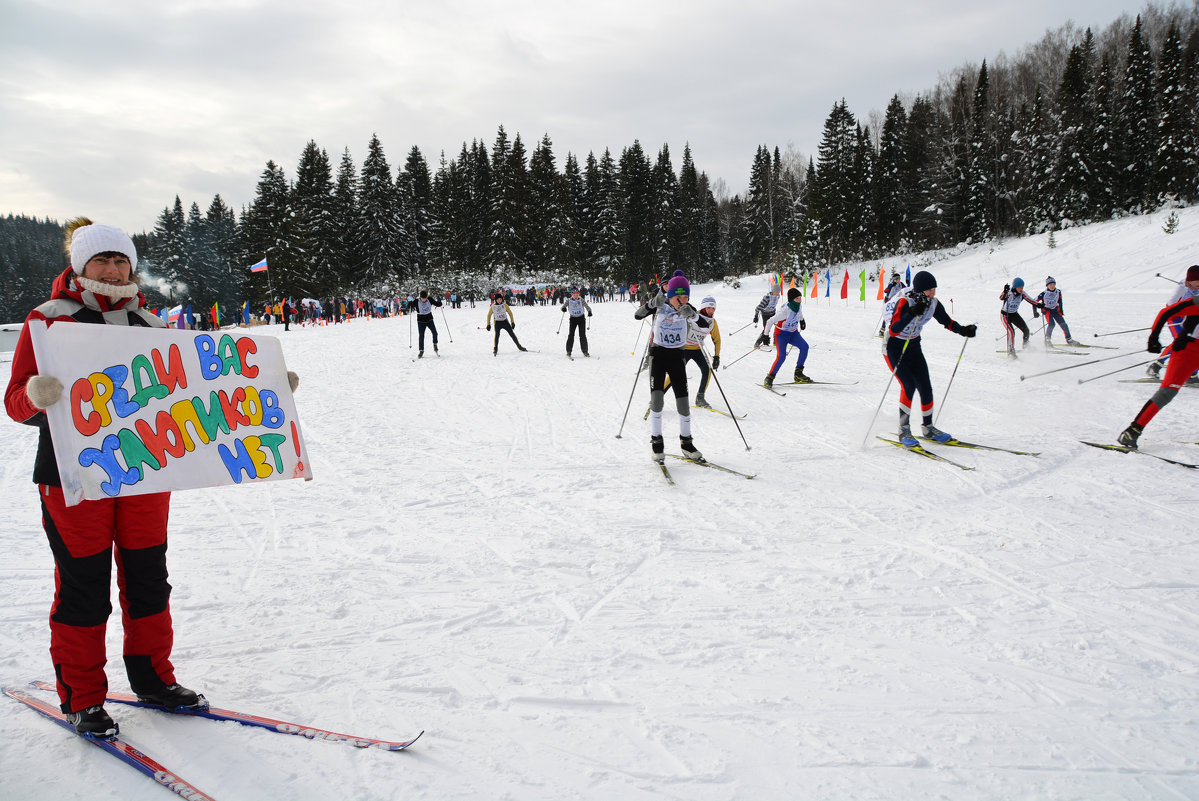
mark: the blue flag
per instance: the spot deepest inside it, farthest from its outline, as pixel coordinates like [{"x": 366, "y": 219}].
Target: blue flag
[
  {"x": 908, "y": 279},
  {"x": 828, "y": 283},
  {"x": 191, "y": 321}
]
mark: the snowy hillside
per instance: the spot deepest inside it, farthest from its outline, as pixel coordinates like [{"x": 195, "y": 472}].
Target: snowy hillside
[{"x": 482, "y": 558}]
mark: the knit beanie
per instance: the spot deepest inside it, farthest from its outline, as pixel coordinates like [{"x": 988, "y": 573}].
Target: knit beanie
[
  {"x": 923, "y": 280},
  {"x": 792, "y": 294},
  {"x": 90, "y": 240},
  {"x": 1193, "y": 272},
  {"x": 678, "y": 285}
]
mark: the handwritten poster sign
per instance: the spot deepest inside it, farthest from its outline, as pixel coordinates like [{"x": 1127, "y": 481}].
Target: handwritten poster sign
[{"x": 151, "y": 409}]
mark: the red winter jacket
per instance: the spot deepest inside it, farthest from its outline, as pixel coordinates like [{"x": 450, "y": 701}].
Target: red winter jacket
[{"x": 69, "y": 302}]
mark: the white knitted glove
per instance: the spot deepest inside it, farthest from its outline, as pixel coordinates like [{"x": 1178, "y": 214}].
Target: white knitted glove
[{"x": 43, "y": 391}]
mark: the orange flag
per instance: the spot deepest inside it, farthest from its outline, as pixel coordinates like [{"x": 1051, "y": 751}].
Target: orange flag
[
  {"x": 815, "y": 283},
  {"x": 881, "y": 270}
]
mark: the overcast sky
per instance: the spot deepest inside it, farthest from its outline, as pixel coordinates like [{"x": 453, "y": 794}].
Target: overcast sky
[{"x": 110, "y": 108}]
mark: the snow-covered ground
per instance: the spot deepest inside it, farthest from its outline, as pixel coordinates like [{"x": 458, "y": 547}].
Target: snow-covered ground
[{"x": 482, "y": 558}]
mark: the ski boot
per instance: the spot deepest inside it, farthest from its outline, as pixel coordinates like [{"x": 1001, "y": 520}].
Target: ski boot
[
  {"x": 522, "y": 348},
  {"x": 905, "y": 437},
  {"x": 769, "y": 381},
  {"x": 495, "y": 352},
  {"x": 93, "y": 723},
  {"x": 1011, "y": 353},
  {"x": 689, "y": 449},
  {"x": 1024, "y": 346},
  {"x": 702, "y": 402},
  {"x": 435, "y": 348},
  {"x": 420, "y": 354},
  {"x": 935, "y": 434},
  {"x": 1154, "y": 370},
  {"x": 174, "y": 697},
  {"x": 1073, "y": 342},
  {"x": 800, "y": 378},
  {"x": 1129, "y": 436},
  {"x": 658, "y": 449}
]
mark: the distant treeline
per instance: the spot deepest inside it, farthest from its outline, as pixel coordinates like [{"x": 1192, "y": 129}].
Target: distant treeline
[{"x": 1077, "y": 128}]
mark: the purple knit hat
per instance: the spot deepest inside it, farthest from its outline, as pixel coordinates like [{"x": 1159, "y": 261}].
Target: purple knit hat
[{"x": 678, "y": 285}]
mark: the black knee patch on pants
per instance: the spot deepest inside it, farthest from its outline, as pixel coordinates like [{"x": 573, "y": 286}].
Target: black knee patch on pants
[
  {"x": 146, "y": 587},
  {"x": 84, "y": 583}
]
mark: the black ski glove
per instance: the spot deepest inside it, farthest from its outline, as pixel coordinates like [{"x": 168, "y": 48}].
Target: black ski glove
[
  {"x": 803, "y": 324},
  {"x": 755, "y": 317},
  {"x": 489, "y": 326},
  {"x": 1035, "y": 313},
  {"x": 1155, "y": 346},
  {"x": 716, "y": 362},
  {"x": 968, "y": 330},
  {"x": 1007, "y": 288}
]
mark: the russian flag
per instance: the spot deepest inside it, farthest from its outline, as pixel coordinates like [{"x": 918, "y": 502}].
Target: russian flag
[{"x": 260, "y": 267}]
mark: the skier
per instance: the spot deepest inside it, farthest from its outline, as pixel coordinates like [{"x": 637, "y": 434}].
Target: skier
[
  {"x": 1183, "y": 361},
  {"x": 504, "y": 321},
  {"x": 424, "y": 319},
  {"x": 693, "y": 350},
  {"x": 1054, "y": 310},
  {"x": 905, "y": 359},
  {"x": 1012, "y": 296},
  {"x": 673, "y": 318},
  {"x": 1187, "y": 288},
  {"x": 576, "y": 305},
  {"x": 765, "y": 310},
  {"x": 892, "y": 290},
  {"x": 787, "y": 329},
  {"x": 99, "y": 287}
]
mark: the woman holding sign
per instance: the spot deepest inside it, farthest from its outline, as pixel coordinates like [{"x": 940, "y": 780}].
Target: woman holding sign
[{"x": 100, "y": 287}]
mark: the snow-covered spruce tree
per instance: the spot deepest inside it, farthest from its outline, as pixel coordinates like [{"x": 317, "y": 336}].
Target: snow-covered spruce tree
[
  {"x": 664, "y": 189},
  {"x": 377, "y": 228},
  {"x": 345, "y": 256},
  {"x": 637, "y": 204},
  {"x": 1076, "y": 114},
  {"x": 1139, "y": 122},
  {"x": 890, "y": 191},
  {"x": 606, "y": 201},
  {"x": 314, "y": 271},
  {"x": 1176, "y": 163}
]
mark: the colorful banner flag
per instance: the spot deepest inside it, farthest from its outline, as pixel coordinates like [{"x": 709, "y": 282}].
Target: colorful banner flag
[
  {"x": 815, "y": 284},
  {"x": 803, "y": 293},
  {"x": 191, "y": 320},
  {"x": 260, "y": 267},
  {"x": 908, "y": 279},
  {"x": 863, "y": 277},
  {"x": 828, "y": 283},
  {"x": 216, "y": 315},
  {"x": 881, "y": 270},
  {"x": 245, "y": 313},
  {"x": 845, "y": 286}
]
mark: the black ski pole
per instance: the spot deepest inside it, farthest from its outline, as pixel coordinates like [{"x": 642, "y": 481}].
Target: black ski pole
[
  {"x": 410, "y": 330},
  {"x": 742, "y": 328},
  {"x": 1113, "y": 372},
  {"x": 560, "y": 319},
  {"x": 1171, "y": 280},
  {"x": 739, "y": 358},
  {"x": 640, "y": 367},
  {"x": 727, "y": 405},
  {"x": 1084, "y": 364},
  {"x": 1113, "y": 333}
]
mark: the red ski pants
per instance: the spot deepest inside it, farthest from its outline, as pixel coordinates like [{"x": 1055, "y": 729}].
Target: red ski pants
[{"x": 82, "y": 539}]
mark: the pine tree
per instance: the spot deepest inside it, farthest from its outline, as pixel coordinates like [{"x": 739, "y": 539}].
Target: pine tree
[
  {"x": 1176, "y": 162},
  {"x": 168, "y": 251},
  {"x": 636, "y": 203},
  {"x": 759, "y": 216},
  {"x": 345, "y": 256},
  {"x": 221, "y": 234},
  {"x": 664, "y": 189},
  {"x": 608, "y": 255},
  {"x": 832, "y": 206},
  {"x": 891, "y": 191},
  {"x": 313, "y": 270},
  {"x": 1073, "y": 169},
  {"x": 267, "y": 230},
  {"x": 377, "y": 228},
  {"x": 1139, "y": 117}
]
